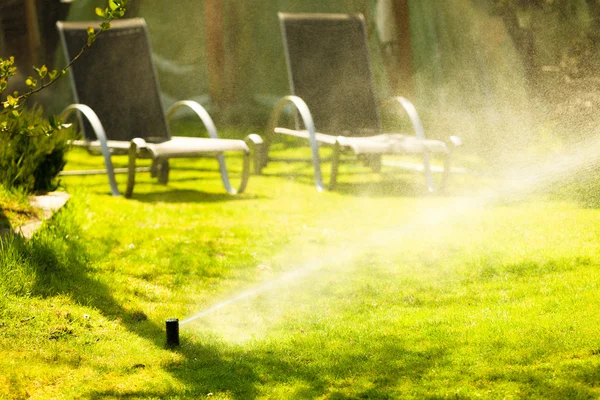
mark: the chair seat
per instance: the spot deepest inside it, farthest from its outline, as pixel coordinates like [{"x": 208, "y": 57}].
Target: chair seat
[
  {"x": 385, "y": 143},
  {"x": 178, "y": 146},
  {"x": 333, "y": 90},
  {"x": 321, "y": 137},
  {"x": 137, "y": 125},
  {"x": 392, "y": 143}
]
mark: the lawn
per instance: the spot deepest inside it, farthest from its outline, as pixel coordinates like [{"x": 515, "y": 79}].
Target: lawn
[{"x": 375, "y": 291}]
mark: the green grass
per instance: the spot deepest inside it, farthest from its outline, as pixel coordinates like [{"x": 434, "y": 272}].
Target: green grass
[
  {"x": 373, "y": 291},
  {"x": 15, "y": 209}
]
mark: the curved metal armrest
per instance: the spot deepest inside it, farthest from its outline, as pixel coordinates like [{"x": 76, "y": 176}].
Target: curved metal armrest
[
  {"x": 413, "y": 115},
  {"x": 212, "y": 133},
  {"x": 309, "y": 125},
  {"x": 98, "y": 129},
  {"x": 199, "y": 111},
  {"x": 410, "y": 109},
  {"x": 455, "y": 141}
]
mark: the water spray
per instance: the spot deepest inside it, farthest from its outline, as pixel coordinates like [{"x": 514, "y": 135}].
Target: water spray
[
  {"x": 172, "y": 325},
  {"x": 526, "y": 179}
]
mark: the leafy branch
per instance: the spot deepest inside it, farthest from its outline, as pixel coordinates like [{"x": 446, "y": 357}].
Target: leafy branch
[{"x": 13, "y": 105}]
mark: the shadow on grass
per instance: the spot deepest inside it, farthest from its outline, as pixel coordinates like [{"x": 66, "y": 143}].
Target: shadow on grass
[
  {"x": 60, "y": 262},
  {"x": 385, "y": 188},
  {"x": 384, "y": 371},
  {"x": 190, "y": 196},
  {"x": 357, "y": 180},
  {"x": 239, "y": 373},
  {"x": 4, "y": 223},
  {"x": 388, "y": 186},
  {"x": 164, "y": 193}
]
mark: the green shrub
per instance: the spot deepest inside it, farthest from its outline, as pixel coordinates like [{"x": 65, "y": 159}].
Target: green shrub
[
  {"x": 29, "y": 159},
  {"x": 33, "y": 147}
]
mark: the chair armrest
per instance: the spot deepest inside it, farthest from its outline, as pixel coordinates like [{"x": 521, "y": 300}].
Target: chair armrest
[
  {"x": 411, "y": 111},
  {"x": 200, "y": 113},
  {"x": 455, "y": 141},
  {"x": 309, "y": 125},
  {"x": 100, "y": 133}
]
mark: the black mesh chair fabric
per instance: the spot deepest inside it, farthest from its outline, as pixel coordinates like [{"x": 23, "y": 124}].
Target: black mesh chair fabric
[
  {"x": 116, "y": 90},
  {"x": 330, "y": 70},
  {"x": 334, "y": 98},
  {"x": 116, "y": 78}
]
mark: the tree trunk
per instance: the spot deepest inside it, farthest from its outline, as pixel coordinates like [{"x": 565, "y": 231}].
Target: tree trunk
[
  {"x": 215, "y": 51},
  {"x": 34, "y": 43},
  {"x": 404, "y": 67},
  {"x": 393, "y": 22}
]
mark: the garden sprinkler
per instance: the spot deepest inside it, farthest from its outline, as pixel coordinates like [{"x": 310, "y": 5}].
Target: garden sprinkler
[{"x": 172, "y": 325}]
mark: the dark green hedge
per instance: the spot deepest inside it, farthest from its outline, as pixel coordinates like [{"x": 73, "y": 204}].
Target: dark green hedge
[{"x": 31, "y": 161}]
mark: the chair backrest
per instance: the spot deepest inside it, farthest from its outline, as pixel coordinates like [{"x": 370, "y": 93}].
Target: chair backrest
[
  {"x": 329, "y": 68},
  {"x": 117, "y": 79}
]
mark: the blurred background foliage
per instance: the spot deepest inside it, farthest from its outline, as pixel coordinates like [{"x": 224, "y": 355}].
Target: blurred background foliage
[{"x": 503, "y": 74}]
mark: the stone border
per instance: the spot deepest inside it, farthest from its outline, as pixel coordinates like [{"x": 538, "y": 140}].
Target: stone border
[{"x": 48, "y": 204}]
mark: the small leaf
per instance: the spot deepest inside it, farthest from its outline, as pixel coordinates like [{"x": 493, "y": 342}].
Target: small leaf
[
  {"x": 105, "y": 26},
  {"x": 53, "y": 74},
  {"x": 113, "y": 5},
  {"x": 100, "y": 12},
  {"x": 31, "y": 82},
  {"x": 42, "y": 71},
  {"x": 91, "y": 35},
  {"x": 11, "y": 101}
]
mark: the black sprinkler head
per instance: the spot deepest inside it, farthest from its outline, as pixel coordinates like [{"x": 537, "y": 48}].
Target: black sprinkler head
[{"x": 172, "y": 332}]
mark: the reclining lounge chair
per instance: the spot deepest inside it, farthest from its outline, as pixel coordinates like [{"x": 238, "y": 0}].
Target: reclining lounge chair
[
  {"x": 120, "y": 110},
  {"x": 334, "y": 99}
]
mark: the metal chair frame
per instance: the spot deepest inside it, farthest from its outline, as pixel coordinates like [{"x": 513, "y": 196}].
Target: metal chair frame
[
  {"x": 138, "y": 147},
  {"x": 341, "y": 144}
]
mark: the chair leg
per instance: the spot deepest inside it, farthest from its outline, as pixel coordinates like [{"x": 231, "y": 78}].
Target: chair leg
[
  {"x": 316, "y": 161},
  {"x": 335, "y": 163},
  {"x": 133, "y": 150},
  {"x": 163, "y": 171},
  {"x": 154, "y": 168},
  {"x": 245, "y": 173},
  {"x": 373, "y": 161},
  {"x": 428, "y": 174},
  {"x": 446, "y": 175},
  {"x": 225, "y": 174},
  {"x": 257, "y": 148},
  {"x": 454, "y": 142},
  {"x": 447, "y": 168}
]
